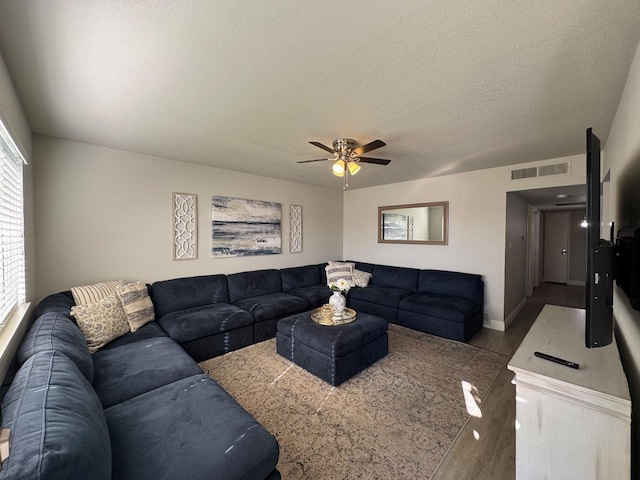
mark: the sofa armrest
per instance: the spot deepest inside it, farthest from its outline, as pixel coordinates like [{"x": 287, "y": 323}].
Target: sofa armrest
[{"x": 58, "y": 427}]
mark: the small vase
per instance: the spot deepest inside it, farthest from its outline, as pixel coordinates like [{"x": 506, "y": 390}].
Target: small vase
[{"x": 338, "y": 302}]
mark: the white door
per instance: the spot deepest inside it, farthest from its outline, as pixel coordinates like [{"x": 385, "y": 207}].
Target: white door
[{"x": 556, "y": 246}]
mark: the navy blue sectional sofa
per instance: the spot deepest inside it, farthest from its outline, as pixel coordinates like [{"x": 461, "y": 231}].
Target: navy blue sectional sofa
[
  {"x": 196, "y": 313},
  {"x": 214, "y": 314},
  {"x": 260, "y": 293},
  {"x": 446, "y": 304},
  {"x": 141, "y": 407}
]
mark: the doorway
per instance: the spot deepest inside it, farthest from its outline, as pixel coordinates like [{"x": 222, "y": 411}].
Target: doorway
[
  {"x": 555, "y": 263},
  {"x": 530, "y": 210}
]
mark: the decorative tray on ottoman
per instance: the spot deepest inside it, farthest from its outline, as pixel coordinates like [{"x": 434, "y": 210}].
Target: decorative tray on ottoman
[{"x": 325, "y": 316}]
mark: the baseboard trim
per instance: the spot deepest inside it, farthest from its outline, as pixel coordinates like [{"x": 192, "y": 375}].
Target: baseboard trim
[
  {"x": 493, "y": 324},
  {"x": 515, "y": 312},
  {"x": 577, "y": 283}
]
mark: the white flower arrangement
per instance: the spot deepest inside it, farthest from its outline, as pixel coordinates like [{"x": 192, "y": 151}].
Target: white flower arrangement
[{"x": 340, "y": 285}]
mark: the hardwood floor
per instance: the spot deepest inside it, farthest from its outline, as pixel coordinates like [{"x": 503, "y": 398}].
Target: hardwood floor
[{"x": 485, "y": 448}]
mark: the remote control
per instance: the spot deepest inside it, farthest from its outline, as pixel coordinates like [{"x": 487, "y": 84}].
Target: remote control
[{"x": 561, "y": 361}]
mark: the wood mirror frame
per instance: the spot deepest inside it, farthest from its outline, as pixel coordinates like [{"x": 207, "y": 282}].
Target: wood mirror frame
[{"x": 418, "y": 223}]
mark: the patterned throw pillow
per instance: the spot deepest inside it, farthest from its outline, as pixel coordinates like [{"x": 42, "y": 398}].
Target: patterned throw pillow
[
  {"x": 336, "y": 271},
  {"x": 136, "y": 304},
  {"x": 89, "y": 294},
  {"x": 361, "y": 278},
  {"x": 101, "y": 322}
]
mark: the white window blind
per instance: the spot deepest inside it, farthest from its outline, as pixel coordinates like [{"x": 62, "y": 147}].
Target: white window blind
[{"x": 12, "y": 261}]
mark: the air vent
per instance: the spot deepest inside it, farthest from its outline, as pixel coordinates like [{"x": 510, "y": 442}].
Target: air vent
[
  {"x": 524, "y": 173},
  {"x": 556, "y": 169},
  {"x": 541, "y": 171}
]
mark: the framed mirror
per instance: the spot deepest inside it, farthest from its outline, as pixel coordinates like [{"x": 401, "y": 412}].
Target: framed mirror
[{"x": 421, "y": 223}]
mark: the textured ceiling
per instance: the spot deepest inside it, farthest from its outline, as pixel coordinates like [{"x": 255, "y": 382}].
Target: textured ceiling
[{"x": 450, "y": 85}]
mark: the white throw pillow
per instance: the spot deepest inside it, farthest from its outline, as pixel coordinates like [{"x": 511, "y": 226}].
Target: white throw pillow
[
  {"x": 89, "y": 294},
  {"x": 136, "y": 304},
  {"x": 101, "y": 322},
  {"x": 336, "y": 271},
  {"x": 361, "y": 278}
]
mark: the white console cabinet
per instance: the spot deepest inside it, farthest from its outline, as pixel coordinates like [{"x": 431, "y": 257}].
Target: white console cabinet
[{"x": 570, "y": 424}]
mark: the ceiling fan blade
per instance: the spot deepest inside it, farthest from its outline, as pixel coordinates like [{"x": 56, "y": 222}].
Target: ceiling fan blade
[
  {"x": 316, "y": 160},
  {"x": 368, "y": 147},
  {"x": 378, "y": 161},
  {"x": 324, "y": 147}
]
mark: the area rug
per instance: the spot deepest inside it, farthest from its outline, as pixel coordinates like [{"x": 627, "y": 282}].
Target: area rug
[{"x": 395, "y": 420}]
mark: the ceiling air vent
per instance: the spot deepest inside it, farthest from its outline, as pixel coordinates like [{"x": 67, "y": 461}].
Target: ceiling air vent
[
  {"x": 541, "y": 171},
  {"x": 524, "y": 173},
  {"x": 555, "y": 169}
]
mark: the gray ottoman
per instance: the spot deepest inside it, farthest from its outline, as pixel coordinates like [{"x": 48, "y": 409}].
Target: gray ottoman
[{"x": 332, "y": 353}]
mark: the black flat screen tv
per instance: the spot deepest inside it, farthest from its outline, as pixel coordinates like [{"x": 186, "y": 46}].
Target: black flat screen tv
[{"x": 600, "y": 258}]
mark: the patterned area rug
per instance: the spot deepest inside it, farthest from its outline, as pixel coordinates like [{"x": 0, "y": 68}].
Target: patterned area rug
[{"x": 395, "y": 420}]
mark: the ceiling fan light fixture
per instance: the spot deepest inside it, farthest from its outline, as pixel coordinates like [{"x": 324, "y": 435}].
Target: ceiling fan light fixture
[
  {"x": 353, "y": 168},
  {"x": 348, "y": 156}
]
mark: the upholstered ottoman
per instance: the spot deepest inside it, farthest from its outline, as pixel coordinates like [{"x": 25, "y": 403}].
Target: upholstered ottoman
[{"x": 332, "y": 353}]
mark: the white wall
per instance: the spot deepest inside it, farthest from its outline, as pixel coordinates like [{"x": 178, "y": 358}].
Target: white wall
[
  {"x": 477, "y": 222},
  {"x": 515, "y": 256},
  {"x": 106, "y": 214},
  {"x": 12, "y": 113},
  {"x": 622, "y": 157}
]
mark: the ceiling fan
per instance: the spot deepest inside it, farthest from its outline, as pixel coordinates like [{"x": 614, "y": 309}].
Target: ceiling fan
[{"x": 347, "y": 156}]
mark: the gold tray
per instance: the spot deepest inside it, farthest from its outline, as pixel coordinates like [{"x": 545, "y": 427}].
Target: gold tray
[{"x": 324, "y": 316}]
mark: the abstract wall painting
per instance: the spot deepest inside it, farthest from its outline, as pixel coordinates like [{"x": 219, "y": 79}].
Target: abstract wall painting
[
  {"x": 394, "y": 226},
  {"x": 241, "y": 227},
  {"x": 185, "y": 226},
  {"x": 295, "y": 228}
]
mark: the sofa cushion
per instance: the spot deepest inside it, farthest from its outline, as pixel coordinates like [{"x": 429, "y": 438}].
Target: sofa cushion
[
  {"x": 182, "y": 293},
  {"x": 57, "y": 424},
  {"x": 387, "y": 296},
  {"x": 300, "y": 277},
  {"x": 446, "y": 307},
  {"x": 193, "y": 323},
  {"x": 129, "y": 370},
  {"x": 55, "y": 331},
  {"x": 464, "y": 285},
  {"x": 89, "y": 294},
  {"x": 365, "y": 267},
  {"x": 253, "y": 284},
  {"x": 323, "y": 273},
  {"x": 136, "y": 304},
  {"x": 396, "y": 277},
  {"x": 146, "y": 332},
  {"x": 315, "y": 295},
  {"x": 212, "y": 435},
  {"x": 272, "y": 305},
  {"x": 101, "y": 322}
]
